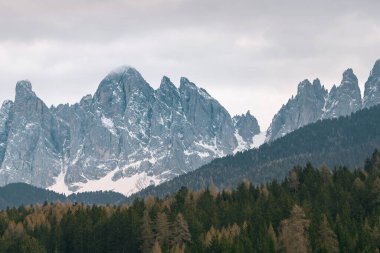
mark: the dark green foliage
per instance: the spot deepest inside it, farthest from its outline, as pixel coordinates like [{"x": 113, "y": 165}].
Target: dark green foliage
[
  {"x": 312, "y": 210},
  {"x": 345, "y": 141},
  {"x": 18, "y": 194},
  {"x": 98, "y": 197},
  {"x": 23, "y": 194}
]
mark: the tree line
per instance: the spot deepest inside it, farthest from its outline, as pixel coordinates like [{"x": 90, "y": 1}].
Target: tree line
[{"x": 311, "y": 210}]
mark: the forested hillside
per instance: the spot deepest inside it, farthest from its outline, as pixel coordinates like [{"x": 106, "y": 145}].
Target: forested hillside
[
  {"x": 312, "y": 210},
  {"x": 344, "y": 141},
  {"x": 17, "y": 194}
]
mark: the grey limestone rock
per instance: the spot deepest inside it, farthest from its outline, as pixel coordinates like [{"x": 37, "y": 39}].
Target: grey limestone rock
[
  {"x": 305, "y": 108},
  {"x": 124, "y": 137},
  {"x": 372, "y": 87},
  {"x": 313, "y": 103},
  {"x": 344, "y": 99},
  {"x": 246, "y": 128}
]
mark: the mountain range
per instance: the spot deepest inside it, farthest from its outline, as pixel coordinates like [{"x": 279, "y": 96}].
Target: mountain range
[
  {"x": 331, "y": 143},
  {"x": 128, "y": 136},
  {"x": 313, "y": 102},
  {"x": 124, "y": 138}
]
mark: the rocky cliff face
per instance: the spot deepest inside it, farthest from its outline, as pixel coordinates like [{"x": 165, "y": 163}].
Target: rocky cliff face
[
  {"x": 125, "y": 137},
  {"x": 306, "y": 107},
  {"x": 6, "y": 116},
  {"x": 246, "y": 128},
  {"x": 344, "y": 99},
  {"x": 35, "y": 141},
  {"x": 313, "y": 103},
  {"x": 372, "y": 87}
]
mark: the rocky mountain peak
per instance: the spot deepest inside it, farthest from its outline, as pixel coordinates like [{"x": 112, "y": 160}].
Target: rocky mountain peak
[
  {"x": 307, "y": 88},
  {"x": 349, "y": 73},
  {"x": 317, "y": 83},
  {"x": 186, "y": 86},
  {"x": 185, "y": 81},
  {"x": 120, "y": 87},
  {"x": 125, "y": 137},
  {"x": 86, "y": 99},
  {"x": 167, "y": 85},
  {"x": 313, "y": 102},
  {"x": 344, "y": 99},
  {"x": 23, "y": 89},
  {"x": 246, "y": 127},
  {"x": 168, "y": 93},
  {"x": 6, "y": 105},
  {"x": 304, "y": 85},
  {"x": 376, "y": 69},
  {"x": 124, "y": 77},
  {"x": 24, "y": 85},
  {"x": 248, "y": 114},
  {"x": 372, "y": 87},
  {"x": 306, "y": 107},
  {"x": 349, "y": 79},
  {"x": 123, "y": 71},
  {"x": 26, "y": 101}
]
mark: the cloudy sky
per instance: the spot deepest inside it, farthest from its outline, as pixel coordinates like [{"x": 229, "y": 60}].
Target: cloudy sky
[{"x": 249, "y": 55}]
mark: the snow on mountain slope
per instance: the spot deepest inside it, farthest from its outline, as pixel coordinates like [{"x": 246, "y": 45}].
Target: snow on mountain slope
[{"x": 125, "y": 137}]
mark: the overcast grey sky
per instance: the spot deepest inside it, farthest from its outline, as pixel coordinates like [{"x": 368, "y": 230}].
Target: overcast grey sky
[{"x": 249, "y": 55}]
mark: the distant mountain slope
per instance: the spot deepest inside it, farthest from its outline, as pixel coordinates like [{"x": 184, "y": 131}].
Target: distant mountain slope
[
  {"x": 340, "y": 141},
  {"x": 17, "y": 194}
]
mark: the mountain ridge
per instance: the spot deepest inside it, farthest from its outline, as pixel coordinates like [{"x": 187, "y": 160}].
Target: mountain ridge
[
  {"x": 344, "y": 141},
  {"x": 313, "y": 102},
  {"x": 124, "y": 137}
]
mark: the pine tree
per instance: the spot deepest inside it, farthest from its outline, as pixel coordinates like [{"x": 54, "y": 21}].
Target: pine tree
[
  {"x": 162, "y": 228},
  {"x": 14, "y": 231},
  {"x": 376, "y": 191},
  {"x": 293, "y": 180},
  {"x": 293, "y": 235},
  {"x": 273, "y": 236},
  {"x": 147, "y": 235},
  {"x": 180, "y": 232},
  {"x": 327, "y": 238},
  {"x": 156, "y": 248}
]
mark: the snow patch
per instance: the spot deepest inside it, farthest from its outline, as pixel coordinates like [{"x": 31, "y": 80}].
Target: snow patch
[
  {"x": 200, "y": 154},
  {"x": 108, "y": 123},
  {"x": 258, "y": 139},
  {"x": 60, "y": 185},
  {"x": 241, "y": 143},
  {"x": 212, "y": 148},
  {"x": 126, "y": 185},
  {"x": 30, "y": 125}
]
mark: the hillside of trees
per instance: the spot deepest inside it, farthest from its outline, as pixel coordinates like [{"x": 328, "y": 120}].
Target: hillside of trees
[
  {"x": 311, "y": 210},
  {"x": 345, "y": 141},
  {"x": 17, "y": 194}
]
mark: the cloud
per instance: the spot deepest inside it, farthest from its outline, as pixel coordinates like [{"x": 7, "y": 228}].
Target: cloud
[{"x": 250, "y": 55}]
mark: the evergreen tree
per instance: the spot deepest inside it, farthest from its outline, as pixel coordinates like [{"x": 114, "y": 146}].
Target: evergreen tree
[
  {"x": 180, "y": 233},
  {"x": 272, "y": 235},
  {"x": 156, "y": 248},
  {"x": 162, "y": 228},
  {"x": 147, "y": 235},
  {"x": 327, "y": 238},
  {"x": 293, "y": 236}
]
